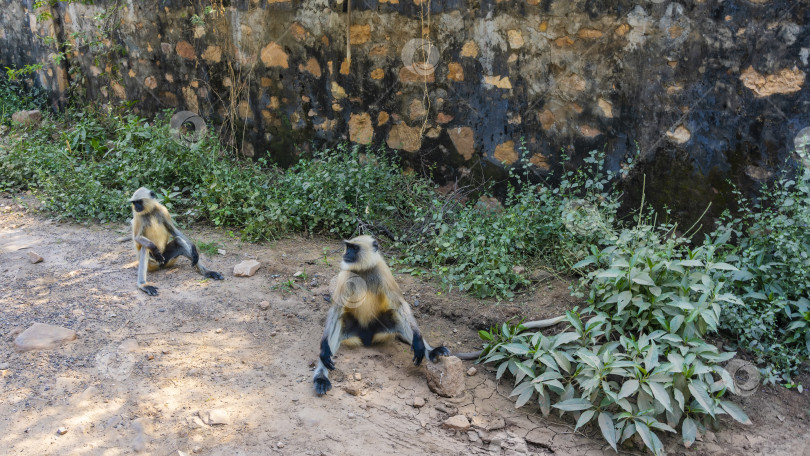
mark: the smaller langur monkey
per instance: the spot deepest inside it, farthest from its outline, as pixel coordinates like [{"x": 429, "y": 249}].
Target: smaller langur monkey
[
  {"x": 158, "y": 242},
  {"x": 369, "y": 307}
]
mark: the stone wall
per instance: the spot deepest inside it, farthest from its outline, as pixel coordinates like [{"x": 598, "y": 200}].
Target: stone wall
[{"x": 703, "y": 90}]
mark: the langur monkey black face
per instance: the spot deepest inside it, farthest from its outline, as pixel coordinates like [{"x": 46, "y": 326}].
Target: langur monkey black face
[
  {"x": 362, "y": 253},
  {"x": 142, "y": 197},
  {"x": 157, "y": 241},
  {"x": 377, "y": 311}
]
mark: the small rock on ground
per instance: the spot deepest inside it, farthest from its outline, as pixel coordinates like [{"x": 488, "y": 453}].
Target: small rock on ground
[
  {"x": 355, "y": 390},
  {"x": 490, "y": 424},
  {"x": 215, "y": 416},
  {"x": 357, "y": 376},
  {"x": 41, "y": 336},
  {"x": 264, "y": 305},
  {"x": 246, "y": 268},
  {"x": 34, "y": 257},
  {"x": 446, "y": 378},
  {"x": 457, "y": 422},
  {"x": 27, "y": 117},
  {"x": 418, "y": 402},
  {"x": 4, "y": 366},
  {"x": 472, "y": 371},
  {"x": 61, "y": 431}
]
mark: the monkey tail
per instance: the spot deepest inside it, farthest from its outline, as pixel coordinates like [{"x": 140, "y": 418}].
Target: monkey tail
[
  {"x": 468, "y": 356},
  {"x": 537, "y": 324}
]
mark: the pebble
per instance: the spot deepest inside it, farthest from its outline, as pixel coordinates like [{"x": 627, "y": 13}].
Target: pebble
[
  {"x": 41, "y": 336},
  {"x": 446, "y": 377},
  {"x": 61, "y": 431},
  {"x": 264, "y": 305},
  {"x": 34, "y": 257},
  {"x": 357, "y": 376},
  {"x": 457, "y": 422},
  {"x": 298, "y": 274},
  {"x": 473, "y": 436},
  {"x": 351, "y": 415},
  {"x": 418, "y": 402},
  {"x": 218, "y": 331},
  {"x": 246, "y": 268},
  {"x": 221, "y": 251},
  {"x": 355, "y": 390},
  {"x": 215, "y": 416},
  {"x": 280, "y": 445},
  {"x": 4, "y": 366},
  {"x": 472, "y": 371}
]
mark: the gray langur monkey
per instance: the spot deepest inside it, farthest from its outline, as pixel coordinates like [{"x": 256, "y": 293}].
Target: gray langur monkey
[
  {"x": 157, "y": 241},
  {"x": 368, "y": 307}
]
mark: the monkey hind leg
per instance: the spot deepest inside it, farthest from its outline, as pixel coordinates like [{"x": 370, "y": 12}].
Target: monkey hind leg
[{"x": 180, "y": 246}]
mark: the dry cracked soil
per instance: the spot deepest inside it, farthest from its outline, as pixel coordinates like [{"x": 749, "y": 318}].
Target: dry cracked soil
[{"x": 202, "y": 368}]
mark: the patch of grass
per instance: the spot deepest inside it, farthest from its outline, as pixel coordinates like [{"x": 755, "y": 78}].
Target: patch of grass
[{"x": 209, "y": 248}]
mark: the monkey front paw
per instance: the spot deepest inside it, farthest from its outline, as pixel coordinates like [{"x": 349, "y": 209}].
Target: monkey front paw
[
  {"x": 438, "y": 351},
  {"x": 214, "y": 275},
  {"x": 322, "y": 384},
  {"x": 149, "y": 289}
]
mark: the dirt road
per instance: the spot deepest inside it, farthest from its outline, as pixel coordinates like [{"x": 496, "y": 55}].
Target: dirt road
[{"x": 144, "y": 368}]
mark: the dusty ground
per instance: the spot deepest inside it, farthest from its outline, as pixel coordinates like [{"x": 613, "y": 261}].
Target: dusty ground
[{"x": 144, "y": 367}]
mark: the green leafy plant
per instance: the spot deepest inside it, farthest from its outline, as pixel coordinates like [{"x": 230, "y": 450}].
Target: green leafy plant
[
  {"x": 83, "y": 167},
  {"x": 16, "y": 96},
  {"x": 476, "y": 249},
  {"x": 634, "y": 361},
  {"x": 772, "y": 316}
]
